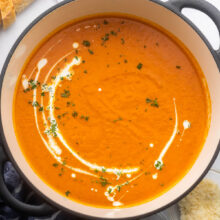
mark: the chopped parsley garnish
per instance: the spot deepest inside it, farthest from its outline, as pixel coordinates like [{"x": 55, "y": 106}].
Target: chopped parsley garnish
[
  {"x": 41, "y": 108},
  {"x": 178, "y": 67},
  {"x": 118, "y": 119},
  {"x": 67, "y": 193},
  {"x": 84, "y": 117},
  {"x": 75, "y": 114},
  {"x": 53, "y": 129},
  {"x": 122, "y": 41},
  {"x": 83, "y": 61},
  {"x": 86, "y": 43},
  {"x": 105, "y": 38},
  {"x": 76, "y": 57},
  {"x": 57, "y": 108},
  {"x": 53, "y": 77},
  {"x": 119, "y": 188},
  {"x": 153, "y": 103},
  {"x": 65, "y": 94},
  {"x": 61, "y": 78},
  {"x": 113, "y": 33},
  {"x": 64, "y": 114},
  {"x": 26, "y": 90},
  {"x": 96, "y": 171},
  {"x": 76, "y": 51},
  {"x": 109, "y": 190},
  {"x": 103, "y": 181},
  {"x": 105, "y": 22},
  {"x": 55, "y": 164},
  {"x": 125, "y": 61},
  {"x": 103, "y": 170},
  {"x": 158, "y": 165},
  {"x": 85, "y": 71},
  {"x": 35, "y": 104},
  {"x": 90, "y": 51},
  {"x": 42, "y": 94},
  {"x": 139, "y": 66},
  {"x": 33, "y": 84}
]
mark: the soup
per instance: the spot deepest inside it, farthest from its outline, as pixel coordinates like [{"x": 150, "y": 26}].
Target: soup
[{"x": 111, "y": 111}]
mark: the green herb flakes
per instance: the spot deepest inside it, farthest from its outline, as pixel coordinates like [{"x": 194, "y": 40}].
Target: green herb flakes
[
  {"x": 26, "y": 90},
  {"x": 53, "y": 129},
  {"x": 65, "y": 94},
  {"x": 119, "y": 188},
  {"x": 158, "y": 165},
  {"x": 153, "y": 103},
  {"x": 118, "y": 119},
  {"x": 103, "y": 181},
  {"x": 75, "y": 114},
  {"x": 35, "y": 104},
  {"x": 86, "y": 43},
  {"x": 41, "y": 108},
  {"x": 55, "y": 164},
  {"x": 139, "y": 66},
  {"x": 67, "y": 193},
  {"x": 109, "y": 190},
  {"x": 90, "y": 51},
  {"x": 113, "y": 33}
]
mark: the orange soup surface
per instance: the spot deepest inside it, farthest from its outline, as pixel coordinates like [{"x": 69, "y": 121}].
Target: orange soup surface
[{"x": 111, "y": 111}]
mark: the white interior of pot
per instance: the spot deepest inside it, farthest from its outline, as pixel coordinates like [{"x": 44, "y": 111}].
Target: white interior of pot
[{"x": 140, "y": 8}]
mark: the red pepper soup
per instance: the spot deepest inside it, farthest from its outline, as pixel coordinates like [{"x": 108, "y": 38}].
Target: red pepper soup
[{"x": 111, "y": 111}]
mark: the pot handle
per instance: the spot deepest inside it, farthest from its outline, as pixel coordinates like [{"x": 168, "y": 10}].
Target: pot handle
[
  {"x": 32, "y": 210},
  {"x": 202, "y": 5}
]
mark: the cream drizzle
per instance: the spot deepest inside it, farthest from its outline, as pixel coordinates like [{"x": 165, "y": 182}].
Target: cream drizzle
[
  {"x": 51, "y": 145},
  {"x": 56, "y": 151},
  {"x": 186, "y": 125},
  {"x": 111, "y": 196},
  {"x": 170, "y": 141}
]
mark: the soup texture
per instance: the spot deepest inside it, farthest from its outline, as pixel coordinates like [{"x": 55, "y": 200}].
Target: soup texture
[{"x": 111, "y": 111}]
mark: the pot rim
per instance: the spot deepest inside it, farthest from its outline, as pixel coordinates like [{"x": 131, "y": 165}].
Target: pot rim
[{"x": 7, "y": 148}]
